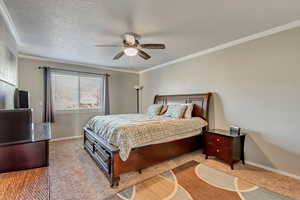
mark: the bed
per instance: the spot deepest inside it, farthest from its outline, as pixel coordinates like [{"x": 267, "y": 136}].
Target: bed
[{"x": 107, "y": 156}]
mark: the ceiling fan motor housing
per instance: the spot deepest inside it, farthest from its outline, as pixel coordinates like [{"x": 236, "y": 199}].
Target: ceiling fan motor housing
[{"x": 131, "y": 38}]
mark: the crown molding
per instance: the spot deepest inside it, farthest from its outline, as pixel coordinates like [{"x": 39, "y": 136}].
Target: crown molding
[
  {"x": 22, "y": 55},
  {"x": 271, "y": 31},
  {"x": 9, "y": 22}
]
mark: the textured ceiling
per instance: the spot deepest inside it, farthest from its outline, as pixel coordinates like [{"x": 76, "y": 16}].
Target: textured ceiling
[{"x": 68, "y": 29}]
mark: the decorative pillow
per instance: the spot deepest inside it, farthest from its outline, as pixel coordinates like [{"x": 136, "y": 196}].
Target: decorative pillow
[
  {"x": 175, "y": 111},
  {"x": 154, "y": 109},
  {"x": 188, "y": 111},
  {"x": 163, "y": 109}
]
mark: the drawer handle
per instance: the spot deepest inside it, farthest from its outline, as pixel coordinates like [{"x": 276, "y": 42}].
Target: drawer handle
[
  {"x": 218, "y": 150},
  {"x": 218, "y": 140}
]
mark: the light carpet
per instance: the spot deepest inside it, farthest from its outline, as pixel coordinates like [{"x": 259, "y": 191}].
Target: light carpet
[{"x": 74, "y": 175}]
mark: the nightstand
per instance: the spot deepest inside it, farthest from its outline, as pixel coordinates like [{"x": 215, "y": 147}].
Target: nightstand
[{"x": 221, "y": 144}]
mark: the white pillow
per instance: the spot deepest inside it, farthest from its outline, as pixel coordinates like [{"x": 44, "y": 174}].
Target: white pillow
[
  {"x": 175, "y": 111},
  {"x": 188, "y": 111},
  {"x": 154, "y": 109}
]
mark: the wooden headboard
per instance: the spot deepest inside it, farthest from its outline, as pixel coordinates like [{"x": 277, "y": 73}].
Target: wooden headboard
[{"x": 200, "y": 101}]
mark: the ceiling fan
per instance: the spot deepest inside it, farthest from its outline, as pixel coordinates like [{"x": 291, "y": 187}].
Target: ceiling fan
[{"x": 132, "y": 47}]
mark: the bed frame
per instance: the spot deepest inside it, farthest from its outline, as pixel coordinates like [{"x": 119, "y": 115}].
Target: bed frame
[{"x": 107, "y": 156}]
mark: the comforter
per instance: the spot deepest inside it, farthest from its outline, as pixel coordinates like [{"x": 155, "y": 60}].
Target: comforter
[{"x": 128, "y": 131}]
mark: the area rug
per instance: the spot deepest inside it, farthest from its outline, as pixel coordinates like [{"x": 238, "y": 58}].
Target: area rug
[
  {"x": 31, "y": 184},
  {"x": 194, "y": 180}
]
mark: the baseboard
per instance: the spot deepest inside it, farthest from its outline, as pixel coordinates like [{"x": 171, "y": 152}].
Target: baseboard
[
  {"x": 273, "y": 170},
  {"x": 66, "y": 138}
]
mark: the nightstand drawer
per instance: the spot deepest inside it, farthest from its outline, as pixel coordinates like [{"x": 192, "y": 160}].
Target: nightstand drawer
[
  {"x": 220, "y": 152},
  {"x": 218, "y": 140}
]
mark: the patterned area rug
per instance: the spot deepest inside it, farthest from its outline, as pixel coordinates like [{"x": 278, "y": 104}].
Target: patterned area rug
[{"x": 196, "y": 181}]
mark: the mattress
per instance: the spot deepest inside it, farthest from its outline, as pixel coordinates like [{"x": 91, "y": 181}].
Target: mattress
[{"x": 128, "y": 131}]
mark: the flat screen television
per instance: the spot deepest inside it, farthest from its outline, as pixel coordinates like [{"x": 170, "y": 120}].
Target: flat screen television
[{"x": 21, "y": 99}]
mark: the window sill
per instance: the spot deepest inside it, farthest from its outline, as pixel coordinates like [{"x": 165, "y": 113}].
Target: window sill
[{"x": 83, "y": 111}]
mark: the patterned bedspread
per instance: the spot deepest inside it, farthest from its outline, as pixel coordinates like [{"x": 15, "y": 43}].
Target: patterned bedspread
[{"x": 128, "y": 131}]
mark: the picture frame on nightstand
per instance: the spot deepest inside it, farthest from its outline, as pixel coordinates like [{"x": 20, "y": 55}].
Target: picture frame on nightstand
[{"x": 234, "y": 130}]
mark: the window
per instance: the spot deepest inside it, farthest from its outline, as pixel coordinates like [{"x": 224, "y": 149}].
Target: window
[
  {"x": 90, "y": 92},
  {"x": 76, "y": 92}
]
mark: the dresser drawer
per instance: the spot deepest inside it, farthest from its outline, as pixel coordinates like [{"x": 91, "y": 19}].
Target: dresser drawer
[{"x": 218, "y": 140}]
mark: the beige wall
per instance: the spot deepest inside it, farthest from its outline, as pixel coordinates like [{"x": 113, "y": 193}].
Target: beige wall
[
  {"x": 122, "y": 95},
  {"x": 255, "y": 85}
]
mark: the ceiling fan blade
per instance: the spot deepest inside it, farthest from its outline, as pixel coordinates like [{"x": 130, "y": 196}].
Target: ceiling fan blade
[
  {"x": 143, "y": 54},
  {"x": 108, "y": 45},
  {"x": 119, "y": 55},
  {"x": 153, "y": 46}
]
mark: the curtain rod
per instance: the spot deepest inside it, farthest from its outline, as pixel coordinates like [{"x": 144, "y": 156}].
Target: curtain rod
[{"x": 67, "y": 70}]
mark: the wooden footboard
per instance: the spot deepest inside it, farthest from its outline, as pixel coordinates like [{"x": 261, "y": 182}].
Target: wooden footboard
[{"x": 107, "y": 156}]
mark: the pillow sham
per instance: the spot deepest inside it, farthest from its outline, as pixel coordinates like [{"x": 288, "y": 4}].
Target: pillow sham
[
  {"x": 175, "y": 111},
  {"x": 188, "y": 111},
  {"x": 154, "y": 109}
]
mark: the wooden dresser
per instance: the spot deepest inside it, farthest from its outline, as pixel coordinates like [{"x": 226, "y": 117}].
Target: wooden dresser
[
  {"x": 221, "y": 144},
  {"x": 29, "y": 152}
]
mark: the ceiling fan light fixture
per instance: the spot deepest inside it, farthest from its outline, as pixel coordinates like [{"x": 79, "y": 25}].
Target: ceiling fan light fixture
[
  {"x": 130, "y": 51},
  {"x": 132, "y": 47}
]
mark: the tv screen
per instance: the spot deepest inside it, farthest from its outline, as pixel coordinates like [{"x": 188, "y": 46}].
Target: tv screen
[
  {"x": 21, "y": 99},
  {"x": 23, "y": 96}
]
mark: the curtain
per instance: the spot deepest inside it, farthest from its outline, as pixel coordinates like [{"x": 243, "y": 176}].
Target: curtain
[
  {"x": 106, "y": 95},
  {"x": 48, "y": 115}
]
